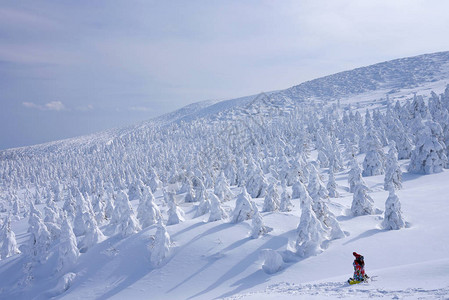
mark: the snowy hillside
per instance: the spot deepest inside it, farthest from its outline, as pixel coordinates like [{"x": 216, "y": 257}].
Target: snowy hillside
[{"x": 260, "y": 197}]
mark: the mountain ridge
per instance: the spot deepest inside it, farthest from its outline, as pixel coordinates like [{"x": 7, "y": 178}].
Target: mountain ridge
[{"x": 388, "y": 76}]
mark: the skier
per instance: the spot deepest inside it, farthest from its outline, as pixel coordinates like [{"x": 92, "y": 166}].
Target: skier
[{"x": 359, "y": 269}]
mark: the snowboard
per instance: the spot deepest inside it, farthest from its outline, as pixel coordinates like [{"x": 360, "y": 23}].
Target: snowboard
[{"x": 352, "y": 281}]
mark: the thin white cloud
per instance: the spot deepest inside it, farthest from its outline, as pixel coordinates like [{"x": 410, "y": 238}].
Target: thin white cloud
[
  {"x": 55, "y": 105},
  {"x": 31, "y": 105},
  {"x": 52, "y": 105}
]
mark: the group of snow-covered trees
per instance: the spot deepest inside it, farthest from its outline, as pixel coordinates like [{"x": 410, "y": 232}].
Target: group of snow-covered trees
[{"x": 74, "y": 197}]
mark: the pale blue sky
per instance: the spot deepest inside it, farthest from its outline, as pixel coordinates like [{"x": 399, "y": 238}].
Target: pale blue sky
[{"x": 68, "y": 68}]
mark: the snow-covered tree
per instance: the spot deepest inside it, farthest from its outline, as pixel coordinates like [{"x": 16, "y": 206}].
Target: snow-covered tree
[
  {"x": 362, "y": 203},
  {"x": 203, "y": 207},
  {"x": 297, "y": 187},
  {"x": 216, "y": 211},
  {"x": 393, "y": 174},
  {"x": 175, "y": 213},
  {"x": 222, "y": 189},
  {"x": 93, "y": 234},
  {"x": 69, "y": 206},
  {"x": 429, "y": 154},
  {"x": 332, "y": 185},
  {"x": 316, "y": 187},
  {"x": 68, "y": 252},
  {"x": 244, "y": 207},
  {"x": 258, "y": 228},
  {"x": 35, "y": 215},
  {"x": 271, "y": 201},
  {"x": 393, "y": 216},
  {"x": 374, "y": 161},
  {"x": 109, "y": 207},
  {"x": 40, "y": 240},
  {"x": 354, "y": 175},
  {"x": 155, "y": 183},
  {"x": 123, "y": 217},
  {"x": 199, "y": 189},
  {"x": 286, "y": 199},
  {"x": 135, "y": 190},
  {"x": 311, "y": 233},
  {"x": 160, "y": 246},
  {"x": 8, "y": 239},
  {"x": 256, "y": 184},
  {"x": 148, "y": 212}
]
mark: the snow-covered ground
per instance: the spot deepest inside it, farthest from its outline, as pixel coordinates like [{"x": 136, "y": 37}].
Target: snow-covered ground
[{"x": 220, "y": 260}]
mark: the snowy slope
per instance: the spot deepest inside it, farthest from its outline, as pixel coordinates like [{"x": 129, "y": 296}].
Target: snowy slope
[
  {"x": 219, "y": 260},
  {"x": 398, "y": 79}
]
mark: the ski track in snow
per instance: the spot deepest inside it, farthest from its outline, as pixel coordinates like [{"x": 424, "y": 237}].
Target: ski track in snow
[{"x": 338, "y": 290}]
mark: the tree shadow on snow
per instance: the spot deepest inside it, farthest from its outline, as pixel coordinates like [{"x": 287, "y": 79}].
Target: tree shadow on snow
[
  {"x": 116, "y": 252},
  {"x": 213, "y": 259},
  {"x": 365, "y": 234},
  {"x": 275, "y": 242},
  {"x": 406, "y": 176}
]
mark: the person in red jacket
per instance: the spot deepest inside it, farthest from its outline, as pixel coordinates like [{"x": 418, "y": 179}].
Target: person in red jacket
[{"x": 359, "y": 267}]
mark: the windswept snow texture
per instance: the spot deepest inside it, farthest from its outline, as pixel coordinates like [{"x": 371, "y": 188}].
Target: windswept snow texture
[{"x": 59, "y": 194}]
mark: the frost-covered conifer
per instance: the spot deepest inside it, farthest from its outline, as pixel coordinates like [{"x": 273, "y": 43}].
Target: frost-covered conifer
[
  {"x": 244, "y": 207},
  {"x": 38, "y": 198},
  {"x": 175, "y": 213},
  {"x": 317, "y": 193},
  {"x": 109, "y": 207},
  {"x": 256, "y": 184},
  {"x": 316, "y": 187},
  {"x": 393, "y": 174},
  {"x": 258, "y": 228},
  {"x": 393, "y": 216},
  {"x": 311, "y": 233},
  {"x": 230, "y": 171},
  {"x": 216, "y": 211},
  {"x": 190, "y": 195},
  {"x": 147, "y": 212},
  {"x": 404, "y": 143},
  {"x": 8, "y": 239},
  {"x": 203, "y": 207},
  {"x": 186, "y": 186},
  {"x": 271, "y": 201},
  {"x": 123, "y": 216},
  {"x": 135, "y": 190},
  {"x": 51, "y": 213},
  {"x": 99, "y": 205},
  {"x": 16, "y": 207},
  {"x": 199, "y": 189},
  {"x": 93, "y": 234},
  {"x": 69, "y": 206},
  {"x": 222, "y": 189},
  {"x": 297, "y": 189},
  {"x": 79, "y": 223},
  {"x": 332, "y": 184},
  {"x": 40, "y": 240},
  {"x": 68, "y": 252},
  {"x": 354, "y": 175},
  {"x": 429, "y": 154},
  {"x": 155, "y": 183},
  {"x": 286, "y": 199},
  {"x": 362, "y": 203},
  {"x": 374, "y": 161},
  {"x": 160, "y": 247},
  {"x": 35, "y": 215}
]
